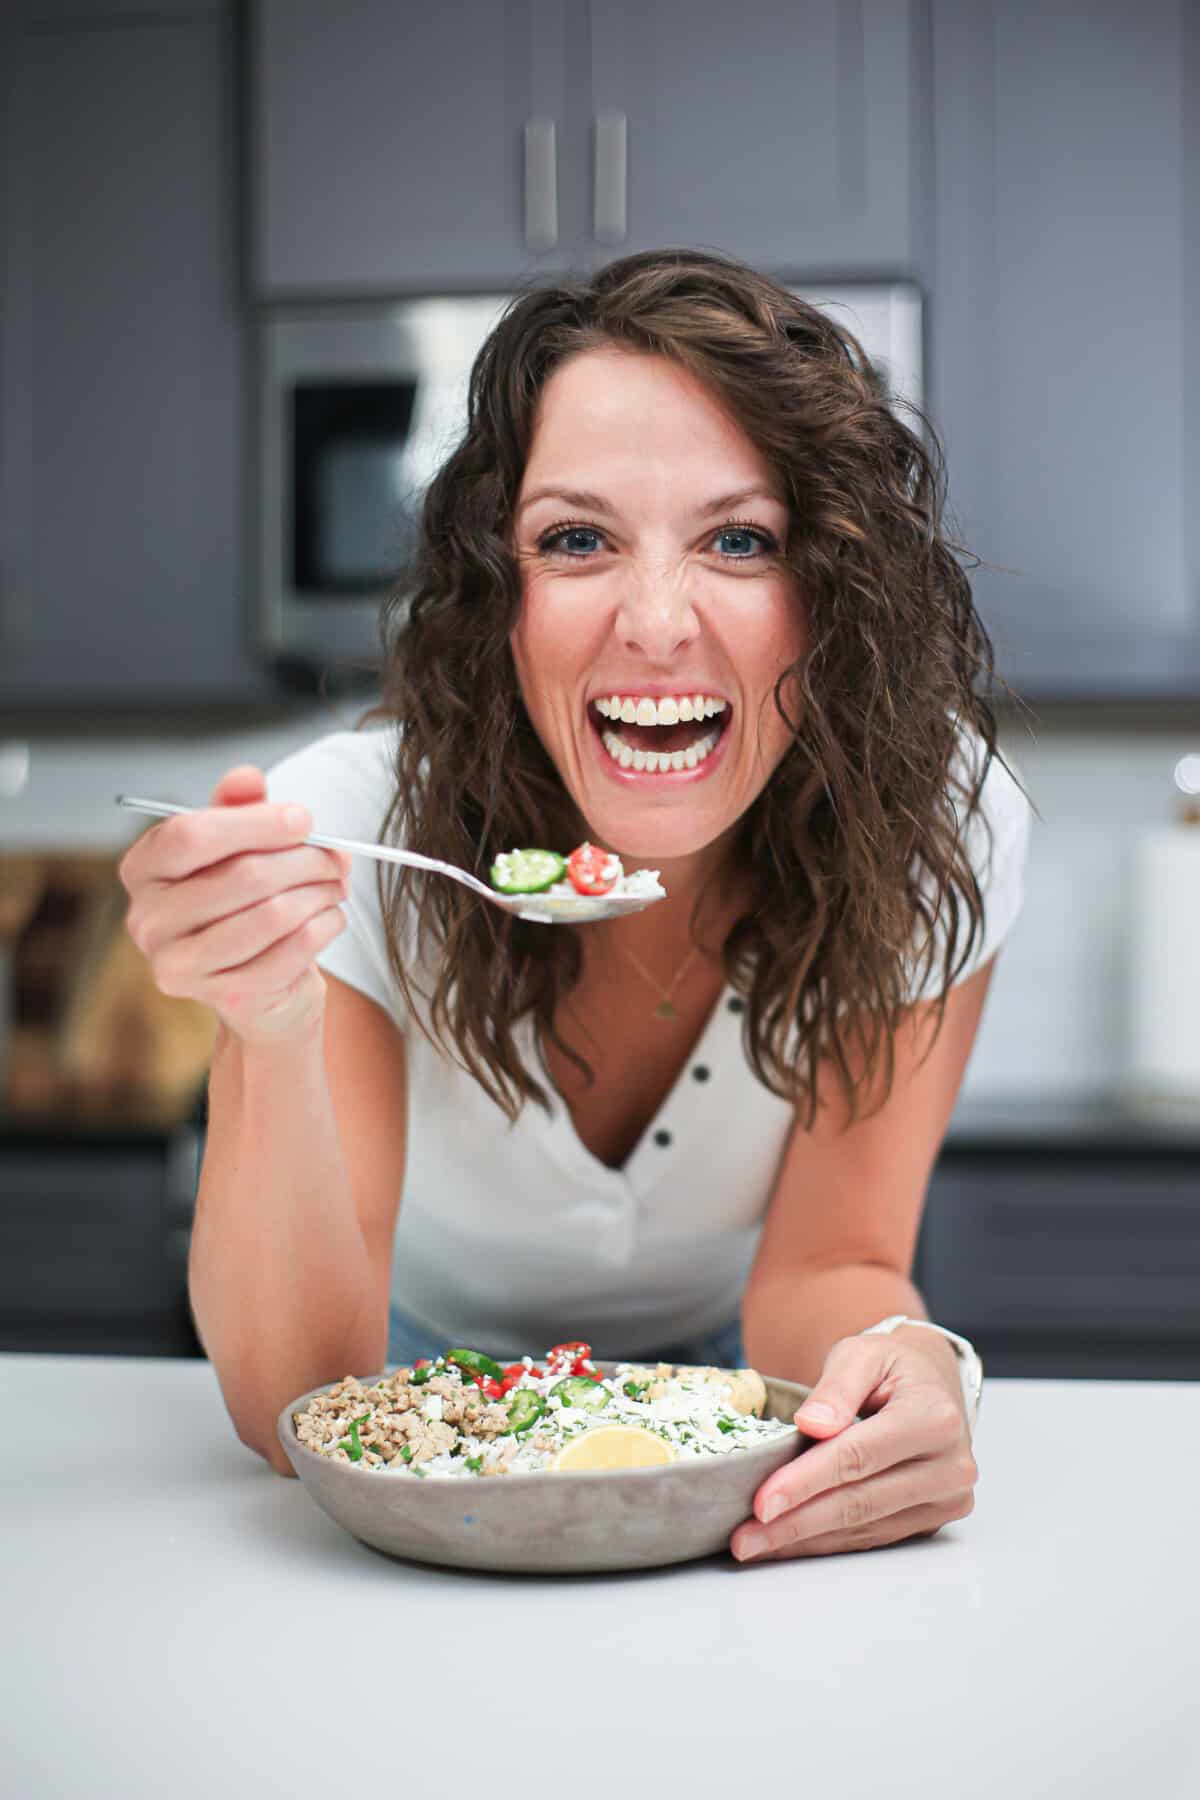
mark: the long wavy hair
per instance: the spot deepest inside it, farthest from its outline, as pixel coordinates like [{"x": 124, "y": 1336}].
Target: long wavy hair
[{"x": 856, "y": 846}]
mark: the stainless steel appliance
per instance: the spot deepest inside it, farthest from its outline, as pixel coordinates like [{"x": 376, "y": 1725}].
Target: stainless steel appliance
[{"x": 359, "y": 406}]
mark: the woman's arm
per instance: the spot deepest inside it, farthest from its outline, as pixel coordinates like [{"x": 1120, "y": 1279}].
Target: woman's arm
[
  {"x": 896, "y": 1458},
  {"x": 290, "y": 1264},
  {"x": 842, "y": 1226}
]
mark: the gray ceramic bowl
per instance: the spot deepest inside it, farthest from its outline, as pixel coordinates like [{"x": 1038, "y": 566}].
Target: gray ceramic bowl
[{"x": 547, "y": 1523}]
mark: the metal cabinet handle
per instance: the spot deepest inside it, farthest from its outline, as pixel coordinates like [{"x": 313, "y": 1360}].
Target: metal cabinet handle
[
  {"x": 541, "y": 185},
  {"x": 609, "y": 203}
]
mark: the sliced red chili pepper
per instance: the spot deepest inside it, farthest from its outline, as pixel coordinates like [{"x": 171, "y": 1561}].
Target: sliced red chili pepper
[
  {"x": 591, "y": 871},
  {"x": 568, "y": 1352},
  {"x": 493, "y": 1389},
  {"x": 422, "y": 1362}
]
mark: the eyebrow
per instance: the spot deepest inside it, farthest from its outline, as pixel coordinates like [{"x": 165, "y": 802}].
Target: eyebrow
[{"x": 589, "y": 502}]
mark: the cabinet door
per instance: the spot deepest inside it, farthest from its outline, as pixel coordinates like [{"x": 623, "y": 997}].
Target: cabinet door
[
  {"x": 389, "y": 144},
  {"x": 1064, "y": 364},
  {"x": 781, "y": 132},
  {"x": 121, "y": 579}
]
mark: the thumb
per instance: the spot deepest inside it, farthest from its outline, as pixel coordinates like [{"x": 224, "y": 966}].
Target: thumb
[
  {"x": 853, "y": 1370},
  {"x": 240, "y": 786}
]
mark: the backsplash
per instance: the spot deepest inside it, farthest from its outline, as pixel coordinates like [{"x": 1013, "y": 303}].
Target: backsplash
[{"x": 1056, "y": 1017}]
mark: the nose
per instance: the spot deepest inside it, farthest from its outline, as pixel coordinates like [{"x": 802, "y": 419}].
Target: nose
[{"x": 656, "y": 616}]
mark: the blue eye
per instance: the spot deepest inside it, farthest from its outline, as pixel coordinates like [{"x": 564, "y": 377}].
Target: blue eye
[
  {"x": 749, "y": 538},
  {"x": 553, "y": 544}
]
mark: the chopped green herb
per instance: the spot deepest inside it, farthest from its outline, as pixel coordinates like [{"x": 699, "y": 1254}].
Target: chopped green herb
[
  {"x": 351, "y": 1444},
  {"x": 475, "y": 1463},
  {"x": 727, "y": 1425},
  {"x": 635, "y": 1389},
  {"x": 406, "y": 1454}
]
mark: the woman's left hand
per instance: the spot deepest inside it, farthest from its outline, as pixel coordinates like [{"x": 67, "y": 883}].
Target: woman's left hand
[{"x": 904, "y": 1469}]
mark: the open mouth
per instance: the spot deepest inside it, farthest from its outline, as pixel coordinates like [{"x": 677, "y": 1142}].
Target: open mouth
[{"x": 668, "y": 735}]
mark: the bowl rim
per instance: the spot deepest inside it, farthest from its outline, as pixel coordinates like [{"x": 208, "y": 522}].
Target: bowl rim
[{"x": 290, "y": 1441}]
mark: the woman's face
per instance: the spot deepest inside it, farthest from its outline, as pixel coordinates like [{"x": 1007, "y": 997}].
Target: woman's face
[{"x": 657, "y": 616}]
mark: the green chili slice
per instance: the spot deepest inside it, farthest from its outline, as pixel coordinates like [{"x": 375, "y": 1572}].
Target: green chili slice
[
  {"x": 475, "y": 1363},
  {"x": 524, "y": 1409}
]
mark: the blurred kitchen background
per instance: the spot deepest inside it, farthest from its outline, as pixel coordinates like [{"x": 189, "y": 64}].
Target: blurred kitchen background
[{"x": 247, "y": 254}]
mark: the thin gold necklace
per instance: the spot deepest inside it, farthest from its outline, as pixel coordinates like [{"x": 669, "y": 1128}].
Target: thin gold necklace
[{"x": 664, "y": 1009}]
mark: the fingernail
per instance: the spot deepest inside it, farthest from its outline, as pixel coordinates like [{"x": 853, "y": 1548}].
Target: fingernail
[
  {"x": 818, "y": 1412},
  {"x": 751, "y": 1543},
  {"x": 773, "y": 1507}
]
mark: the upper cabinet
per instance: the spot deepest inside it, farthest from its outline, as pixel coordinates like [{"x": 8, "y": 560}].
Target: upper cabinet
[
  {"x": 781, "y": 133},
  {"x": 1064, "y": 360},
  {"x": 398, "y": 149}
]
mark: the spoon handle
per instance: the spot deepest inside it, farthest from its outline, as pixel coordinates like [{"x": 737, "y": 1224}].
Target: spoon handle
[{"x": 165, "y": 809}]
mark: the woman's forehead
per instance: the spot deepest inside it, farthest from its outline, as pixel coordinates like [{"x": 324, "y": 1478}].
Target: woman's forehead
[{"x": 612, "y": 419}]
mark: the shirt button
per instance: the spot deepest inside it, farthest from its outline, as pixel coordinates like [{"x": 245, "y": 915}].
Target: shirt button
[
  {"x": 662, "y": 1139},
  {"x": 736, "y": 1005},
  {"x": 701, "y": 1072}
]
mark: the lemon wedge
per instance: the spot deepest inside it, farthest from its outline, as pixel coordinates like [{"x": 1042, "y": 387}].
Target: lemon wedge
[{"x": 614, "y": 1447}]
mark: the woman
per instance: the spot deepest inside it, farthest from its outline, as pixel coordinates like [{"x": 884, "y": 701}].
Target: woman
[{"x": 681, "y": 494}]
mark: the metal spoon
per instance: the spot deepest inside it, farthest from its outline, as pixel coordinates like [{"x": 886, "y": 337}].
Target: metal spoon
[{"x": 543, "y": 909}]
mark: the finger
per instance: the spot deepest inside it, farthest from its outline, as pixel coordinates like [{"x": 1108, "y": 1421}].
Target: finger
[
  {"x": 853, "y": 1370},
  {"x": 186, "y": 964},
  {"x": 239, "y": 785},
  {"x": 854, "y": 1506},
  {"x": 899, "y": 1432},
  {"x": 190, "y": 841},
  {"x": 164, "y": 911},
  {"x": 916, "y": 1521}
]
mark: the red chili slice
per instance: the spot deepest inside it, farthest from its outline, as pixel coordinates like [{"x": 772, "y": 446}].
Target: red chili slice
[
  {"x": 493, "y": 1389},
  {"x": 568, "y": 1352},
  {"x": 587, "y": 868}
]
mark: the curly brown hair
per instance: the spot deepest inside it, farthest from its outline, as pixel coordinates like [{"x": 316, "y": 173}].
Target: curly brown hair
[{"x": 856, "y": 845}]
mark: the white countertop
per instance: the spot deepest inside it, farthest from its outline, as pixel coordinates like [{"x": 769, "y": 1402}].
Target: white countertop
[{"x": 180, "y": 1621}]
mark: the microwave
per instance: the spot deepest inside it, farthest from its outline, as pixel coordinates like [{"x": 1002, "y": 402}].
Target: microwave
[{"x": 359, "y": 406}]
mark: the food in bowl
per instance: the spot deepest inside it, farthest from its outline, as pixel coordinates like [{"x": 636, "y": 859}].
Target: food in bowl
[{"x": 465, "y": 1415}]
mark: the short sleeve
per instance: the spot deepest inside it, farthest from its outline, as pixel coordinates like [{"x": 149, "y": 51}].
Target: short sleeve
[
  {"x": 997, "y": 845},
  {"x": 346, "y": 781}
]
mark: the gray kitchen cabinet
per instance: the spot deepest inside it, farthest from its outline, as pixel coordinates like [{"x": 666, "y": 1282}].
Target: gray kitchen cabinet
[
  {"x": 121, "y": 381},
  {"x": 1076, "y": 1260},
  {"x": 786, "y": 139},
  {"x": 1063, "y": 355},
  {"x": 94, "y": 1234},
  {"x": 391, "y": 154},
  {"x": 390, "y": 150}
]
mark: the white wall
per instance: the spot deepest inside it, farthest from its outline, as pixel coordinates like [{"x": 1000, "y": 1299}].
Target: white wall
[{"x": 1055, "y": 1023}]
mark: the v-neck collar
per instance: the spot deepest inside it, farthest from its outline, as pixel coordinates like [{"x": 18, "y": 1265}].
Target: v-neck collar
[{"x": 648, "y": 1162}]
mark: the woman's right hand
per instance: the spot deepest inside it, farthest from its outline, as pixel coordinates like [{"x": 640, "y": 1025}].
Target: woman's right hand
[{"x": 231, "y": 907}]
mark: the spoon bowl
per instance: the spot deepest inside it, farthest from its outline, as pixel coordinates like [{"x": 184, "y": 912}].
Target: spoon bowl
[{"x": 543, "y": 909}]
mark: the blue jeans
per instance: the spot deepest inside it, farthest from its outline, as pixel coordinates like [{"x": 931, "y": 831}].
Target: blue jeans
[{"x": 721, "y": 1349}]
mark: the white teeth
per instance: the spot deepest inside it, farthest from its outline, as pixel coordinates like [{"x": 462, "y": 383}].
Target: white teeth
[
  {"x": 653, "y": 762},
  {"x": 669, "y": 711}
]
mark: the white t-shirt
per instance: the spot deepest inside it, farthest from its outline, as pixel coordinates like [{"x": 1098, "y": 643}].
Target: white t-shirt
[{"x": 515, "y": 1234}]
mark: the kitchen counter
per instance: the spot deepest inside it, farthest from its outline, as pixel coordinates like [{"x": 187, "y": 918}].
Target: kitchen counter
[{"x": 182, "y": 1621}]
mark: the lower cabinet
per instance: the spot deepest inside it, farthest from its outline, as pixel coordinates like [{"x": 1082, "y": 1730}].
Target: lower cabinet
[
  {"x": 1072, "y": 1263},
  {"x": 94, "y": 1234}
]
